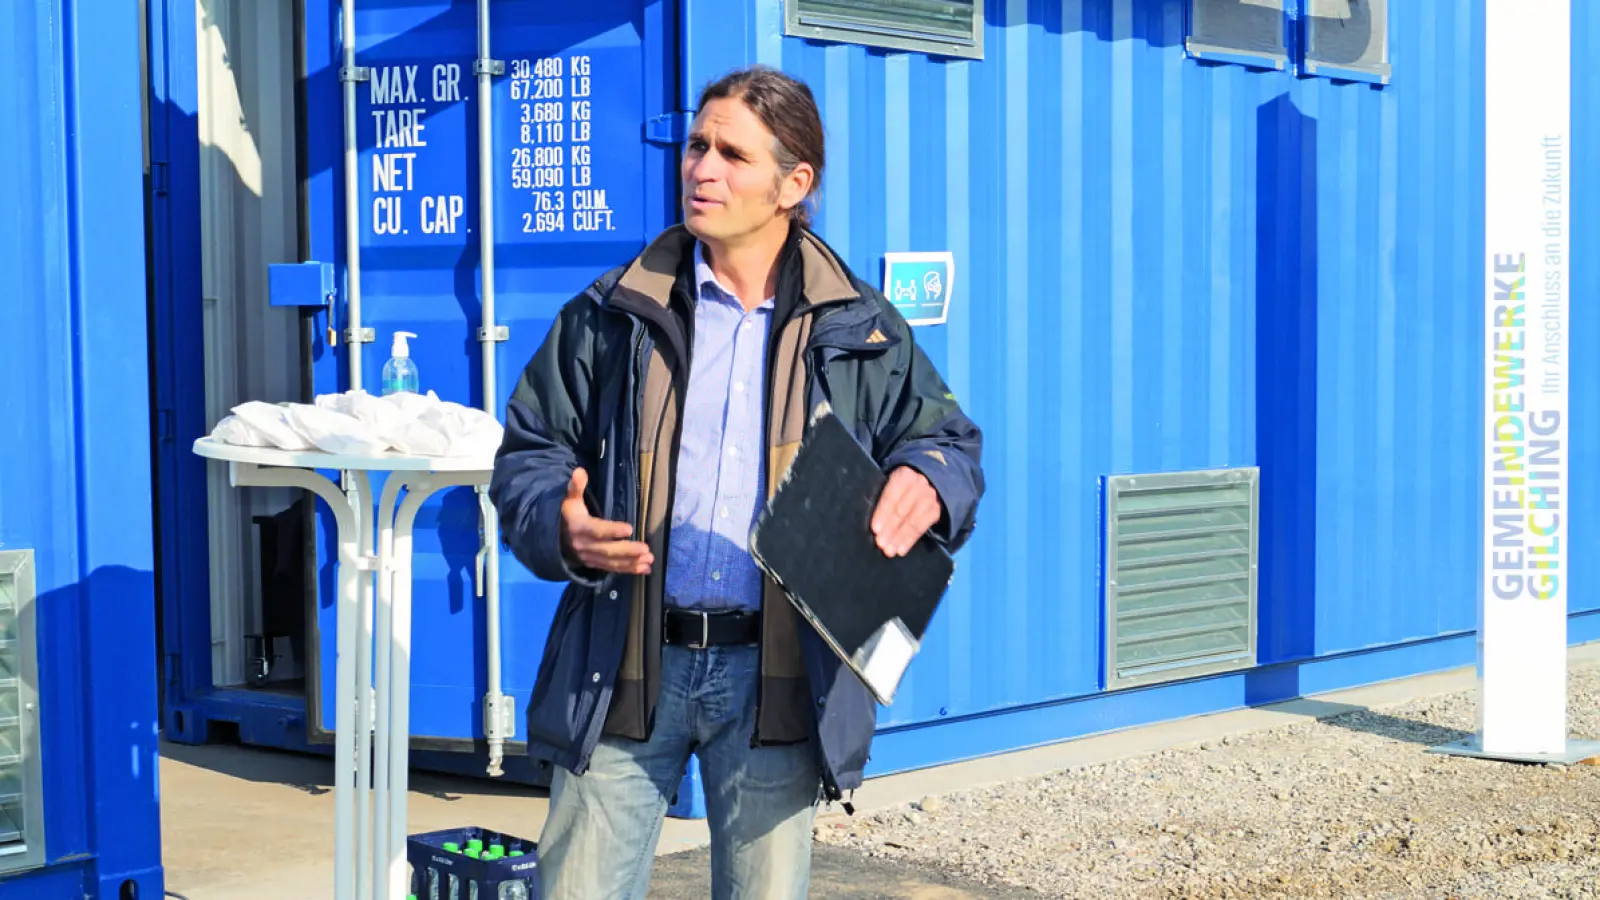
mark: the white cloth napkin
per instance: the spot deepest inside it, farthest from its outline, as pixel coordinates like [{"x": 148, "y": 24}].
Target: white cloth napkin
[{"x": 356, "y": 423}]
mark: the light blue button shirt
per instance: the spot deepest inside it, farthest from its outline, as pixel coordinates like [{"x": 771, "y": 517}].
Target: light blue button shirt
[{"x": 721, "y": 478}]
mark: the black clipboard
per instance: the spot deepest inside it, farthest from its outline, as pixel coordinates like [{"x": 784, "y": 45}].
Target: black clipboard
[{"x": 814, "y": 538}]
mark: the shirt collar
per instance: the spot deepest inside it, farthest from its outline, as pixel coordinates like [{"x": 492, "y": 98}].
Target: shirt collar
[{"x": 705, "y": 278}]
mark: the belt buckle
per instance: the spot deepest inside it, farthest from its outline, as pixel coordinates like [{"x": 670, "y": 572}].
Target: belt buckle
[{"x": 705, "y": 631}]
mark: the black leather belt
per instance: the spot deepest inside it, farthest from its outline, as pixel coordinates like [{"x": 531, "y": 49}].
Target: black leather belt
[{"x": 698, "y": 630}]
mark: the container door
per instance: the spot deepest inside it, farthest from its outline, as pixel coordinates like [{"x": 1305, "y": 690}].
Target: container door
[{"x": 577, "y": 189}]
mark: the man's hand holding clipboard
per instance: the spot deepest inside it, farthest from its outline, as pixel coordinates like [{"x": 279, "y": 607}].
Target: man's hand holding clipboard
[
  {"x": 849, "y": 546},
  {"x": 906, "y": 509}
]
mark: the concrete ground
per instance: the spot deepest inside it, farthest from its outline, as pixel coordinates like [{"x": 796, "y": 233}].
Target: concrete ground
[
  {"x": 239, "y": 823},
  {"x": 246, "y": 824}
]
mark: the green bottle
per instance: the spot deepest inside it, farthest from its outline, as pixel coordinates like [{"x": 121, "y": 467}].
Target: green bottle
[
  {"x": 452, "y": 847},
  {"x": 475, "y": 844},
  {"x": 517, "y": 853},
  {"x": 497, "y": 849},
  {"x": 472, "y": 853}
]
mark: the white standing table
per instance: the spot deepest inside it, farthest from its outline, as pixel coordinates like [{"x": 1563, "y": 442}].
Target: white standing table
[{"x": 369, "y": 784}]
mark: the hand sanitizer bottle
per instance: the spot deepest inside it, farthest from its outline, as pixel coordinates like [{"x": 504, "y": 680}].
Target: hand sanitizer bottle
[{"x": 400, "y": 373}]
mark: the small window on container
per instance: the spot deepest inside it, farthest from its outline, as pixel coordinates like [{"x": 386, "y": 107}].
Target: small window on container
[
  {"x": 1348, "y": 39},
  {"x": 938, "y": 27},
  {"x": 1247, "y": 32}
]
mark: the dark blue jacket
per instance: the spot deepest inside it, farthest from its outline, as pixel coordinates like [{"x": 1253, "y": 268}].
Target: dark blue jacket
[{"x": 603, "y": 392}]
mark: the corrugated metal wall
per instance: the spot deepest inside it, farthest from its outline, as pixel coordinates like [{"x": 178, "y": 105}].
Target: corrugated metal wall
[
  {"x": 75, "y": 467},
  {"x": 1163, "y": 265}
]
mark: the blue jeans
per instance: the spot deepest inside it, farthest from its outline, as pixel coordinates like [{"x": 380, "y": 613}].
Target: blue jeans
[{"x": 600, "y": 837}]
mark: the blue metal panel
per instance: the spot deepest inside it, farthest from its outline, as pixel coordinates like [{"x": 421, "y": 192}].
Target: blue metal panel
[
  {"x": 903, "y": 748},
  {"x": 178, "y": 342},
  {"x": 1167, "y": 264},
  {"x": 613, "y": 54},
  {"x": 1162, "y": 264},
  {"x": 36, "y": 479},
  {"x": 61, "y": 880},
  {"x": 1397, "y": 546},
  {"x": 76, "y": 491},
  {"x": 300, "y": 284}
]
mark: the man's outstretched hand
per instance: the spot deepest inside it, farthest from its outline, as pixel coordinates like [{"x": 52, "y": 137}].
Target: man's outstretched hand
[
  {"x": 595, "y": 543},
  {"x": 908, "y": 507}
]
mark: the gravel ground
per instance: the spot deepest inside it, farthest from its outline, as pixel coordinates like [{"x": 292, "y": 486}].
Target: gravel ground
[
  {"x": 1350, "y": 806},
  {"x": 837, "y": 873}
]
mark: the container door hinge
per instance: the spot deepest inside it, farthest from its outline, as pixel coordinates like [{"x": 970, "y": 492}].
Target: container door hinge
[
  {"x": 160, "y": 181},
  {"x": 499, "y": 717},
  {"x": 667, "y": 128},
  {"x": 360, "y": 336},
  {"x": 355, "y": 73},
  {"x": 497, "y": 334},
  {"x": 488, "y": 67}
]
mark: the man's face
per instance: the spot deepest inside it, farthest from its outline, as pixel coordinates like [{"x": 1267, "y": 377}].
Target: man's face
[{"x": 732, "y": 187}]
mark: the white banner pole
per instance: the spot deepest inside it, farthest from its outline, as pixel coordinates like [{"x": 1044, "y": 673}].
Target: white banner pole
[{"x": 1522, "y": 619}]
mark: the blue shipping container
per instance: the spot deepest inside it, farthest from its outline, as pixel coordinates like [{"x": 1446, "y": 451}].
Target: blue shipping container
[
  {"x": 79, "y": 810},
  {"x": 1166, "y": 264}
]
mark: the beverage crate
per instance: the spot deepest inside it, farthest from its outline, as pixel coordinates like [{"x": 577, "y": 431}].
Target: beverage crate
[{"x": 444, "y": 867}]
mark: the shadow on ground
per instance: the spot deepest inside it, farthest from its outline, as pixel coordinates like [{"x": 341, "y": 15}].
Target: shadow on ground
[
  {"x": 1361, "y": 719},
  {"x": 838, "y": 874},
  {"x": 313, "y": 774}
]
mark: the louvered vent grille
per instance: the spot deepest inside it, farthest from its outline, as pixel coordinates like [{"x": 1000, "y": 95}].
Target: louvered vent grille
[
  {"x": 1180, "y": 574},
  {"x": 21, "y": 807}
]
